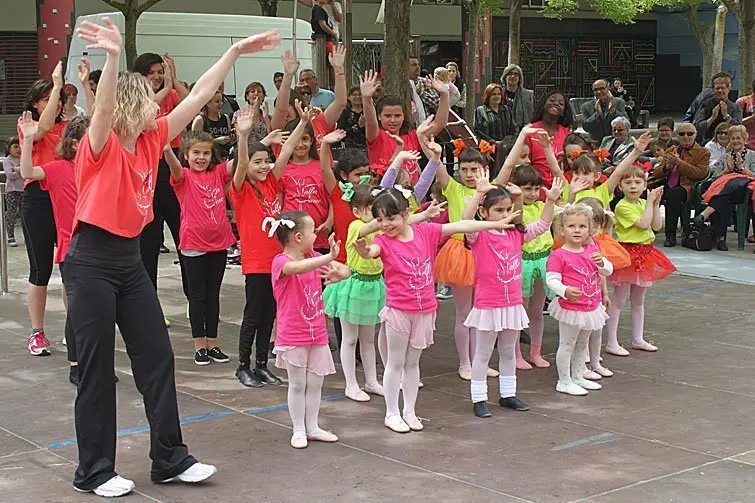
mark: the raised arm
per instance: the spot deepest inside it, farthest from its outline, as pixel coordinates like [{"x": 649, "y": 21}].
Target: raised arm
[
  {"x": 313, "y": 263},
  {"x": 83, "y": 70},
  {"x": 243, "y": 128},
  {"x": 29, "y": 128},
  {"x": 290, "y": 67},
  {"x": 334, "y": 110},
  {"x": 639, "y": 147},
  {"x": 47, "y": 118},
  {"x": 656, "y": 222},
  {"x": 108, "y": 38},
  {"x": 288, "y": 147},
  {"x": 510, "y": 163},
  {"x": 176, "y": 170},
  {"x": 163, "y": 93},
  {"x": 179, "y": 86},
  {"x": 198, "y": 123},
  {"x": 368, "y": 86},
  {"x": 389, "y": 179},
  {"x": 469, "y": 226},
  {"x": 441, "y": 116},
  {"x": 208, "y": 84},
  {"x": 326, "y": 158}
]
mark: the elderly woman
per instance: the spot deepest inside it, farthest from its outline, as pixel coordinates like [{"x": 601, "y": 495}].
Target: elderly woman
[
  {"x": 718, "y": 144},
  {"x": 493, "y": 120},
  {"x": 620, "y": 144},
  {"x": 735, "y": 170},
  {"x": 679, "y": 167},
  {"x": 521, "y": 101}
]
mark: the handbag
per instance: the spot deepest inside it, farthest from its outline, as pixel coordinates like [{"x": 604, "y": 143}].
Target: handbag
[{"x": 700, "y": 238}]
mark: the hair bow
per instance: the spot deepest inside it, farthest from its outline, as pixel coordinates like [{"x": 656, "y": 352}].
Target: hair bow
[
  {"x": 602, "y": 154},
  {"x": 365, "y": 179},
  {"x": 645, "y": 166},
  {"x": 348, "y": 190},
  {"x": 459, "y": 146},
  {"x": 487, "y": 148},
  {"x": 404, "y": 192},
  {"x": 274, "y": 224},
  {"x": 71, "y": 134},
  {"x": 577, "y": 153}
]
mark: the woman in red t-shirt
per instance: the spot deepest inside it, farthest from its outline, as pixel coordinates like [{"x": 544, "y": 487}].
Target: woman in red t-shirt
[
  {"x": 554, "y": 116},
  {"x": 394, "y": 121},
  {"x": 43, "y": 100},
  {"x": 116, "y": 169}
]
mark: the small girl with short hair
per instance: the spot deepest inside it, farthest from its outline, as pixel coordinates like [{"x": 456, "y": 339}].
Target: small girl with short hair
[
  {"x": 408, "y": 253},
  {"x": 636, "y": 219},
  {"x": 301, "y": 346},
  {"x": 14, "y": 188},
  {"x": 573, "y": 274},
  {"x": 574, "y": 144}
]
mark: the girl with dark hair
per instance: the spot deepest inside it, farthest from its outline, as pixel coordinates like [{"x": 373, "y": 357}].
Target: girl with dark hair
[
  {"x": 554, "y": 116},
  {"x": 214, "y": 122},
  {"x": 14, "y": 186}
]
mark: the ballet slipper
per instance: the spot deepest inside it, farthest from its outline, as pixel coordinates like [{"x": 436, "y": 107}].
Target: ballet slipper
[
  {"x": 617, "y": 351},
  {"x": 413, "y": 422},
  {"x": 591, "y": 375},
  {"x": 357, "y": 395},
  {"x": 491, "y": 373},
  {"x": 465, "y": 374},
  {"x": 374, "y": 389},
  {"x": 588, "y": 385},
  {"x": 299, "y": 440},
  {"x": 644, "y": 346},
  {"x": 422, "y": 385},
  {"x": 521, "y": 364},
  {"x": 603, "y": 371},
  {"x": 320, "y": 435},
  {"x": 570, "y": 389},
  {"x": 536, "y": 358},
  {"x": 397, "y": 424}
]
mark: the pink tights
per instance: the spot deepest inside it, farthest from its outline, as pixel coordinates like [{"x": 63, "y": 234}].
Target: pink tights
[
  {"x": 636, "y": 295},
  {"x": 466, "y": 338},
  {"x": 304, "y": 394},
  {"x": 403, "y": 360},
  {"x": 534, "y": 307},
  {"x": 365, "y": 334}
]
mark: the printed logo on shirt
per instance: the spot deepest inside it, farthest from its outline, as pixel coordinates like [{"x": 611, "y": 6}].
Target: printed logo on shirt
[
  {"x": 509, "y": 269},
  {"x": 305, "y": 192},
  {"x": 146, "y": 191},
  {"x": 313, "y": 308},
  {"x": 211, "y": 197},
  {"x": 422, "y": 275},
  {"x": 590, "y": 278},
  {"x": 271, "y": 208}
]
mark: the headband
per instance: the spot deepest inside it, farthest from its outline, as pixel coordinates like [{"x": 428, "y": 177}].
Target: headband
[
  {"x": 484, "y": 147},
  {"x": 602, "y": 154},
  {"x": 404, "y": 192},
  {"x": 274, "y": 224}
]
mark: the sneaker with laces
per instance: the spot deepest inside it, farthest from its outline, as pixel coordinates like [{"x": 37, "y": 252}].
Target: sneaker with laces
[
  {"x": 444, "y": 293},
  {"x": 12, "y": 242},
  {"x": 217, "y": 355},
  {"x": 201, "y": 357},
  {"x": 38, "y": 344},
  {"x": 198, "y": 472},
  {"x": 113, "y": 488}
]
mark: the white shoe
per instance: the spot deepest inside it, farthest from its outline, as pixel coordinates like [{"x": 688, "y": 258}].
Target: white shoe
[
  {"x": 198, "y": 472},
  {"x": 64, "y": 341},
  {"x": 113, "y": 488},
  {"x": 465, "y": 374},
  {"x": 492, "y": 372},
  {"x": 591, "y": 375},
  {"x": 397, "y": 424},
  {"x": 374, "y": 389},
  {"x": 589, "y": 385},
  {"x": 414, "y": 423},
  {"x": 357, "y": 395},
  {"x": 571, "y": 389}
]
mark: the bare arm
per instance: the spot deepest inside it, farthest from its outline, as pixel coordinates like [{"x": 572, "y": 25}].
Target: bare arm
[
  {"x": 288, "y": 148},
  {"x": 324, "y": 26},
  {"x": 198, "y": 123},
  {"x": 28, "y": 170},
  {"x": 364, "y": 250},
  {"x": 473, "y": 226},
  {"x": 510, "y": 163},
  {"x": 369, "y": 85},
  {"x": 176, "y": 170},
  {"x": 326, "y": 158},
  {"x": 295, "y": 267},
  {"x": 47, "y": 117},
  {"x": 163, "y": 93},
  {"x": 441, "y": 116},
  {"x": 290, "y": 67},
  {"x": 639, "y": 147},
  {"x": 179, "y": 86},
  {"x": 334, "y": 110},
  {"x": 83, "y": 69}
]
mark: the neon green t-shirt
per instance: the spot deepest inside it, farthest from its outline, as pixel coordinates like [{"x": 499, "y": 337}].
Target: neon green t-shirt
[
  {"x": 353, "y": 259},
  {"x": 458, "y": 195},
  {"x": 601, "y": 193},
  {"x": 530, "y": 214},
  {"x": 628, "y": 214}
]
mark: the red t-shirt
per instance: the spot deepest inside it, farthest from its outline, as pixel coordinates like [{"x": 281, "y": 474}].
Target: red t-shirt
[
  {"x": 116, "y": 190},
  {"x": 170, "y": 102},
  {"x": 304, "y": 190},
  {"x": 381, "y": 151},
  {"x": 342, "y": 218},
  {"x": 251, "y": 208},
  {"x": 60, "y": 181},
  {"x": 537, "y": 154},
  {"x": 204, "y": 222},
  {"x": 319, "y": 125},
  {"x": 43, "y": 150}
]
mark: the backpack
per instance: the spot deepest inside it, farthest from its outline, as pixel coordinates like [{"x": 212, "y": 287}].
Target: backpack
[{"x": 699, "y": 238}]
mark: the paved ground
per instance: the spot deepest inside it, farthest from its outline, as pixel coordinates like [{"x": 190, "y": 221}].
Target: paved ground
[{"x": 674, "y": 426}]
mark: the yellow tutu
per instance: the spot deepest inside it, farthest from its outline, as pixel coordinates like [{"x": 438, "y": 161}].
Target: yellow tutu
[{"x": 454, "y": 264}]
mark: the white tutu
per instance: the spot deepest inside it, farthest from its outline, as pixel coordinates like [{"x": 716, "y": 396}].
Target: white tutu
[
  {"x": 495, "y": 319},
  {"x": 586, "y": 320}
]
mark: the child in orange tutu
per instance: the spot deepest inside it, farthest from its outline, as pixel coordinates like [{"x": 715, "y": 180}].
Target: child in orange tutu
[{"x": 636, "y": 219}]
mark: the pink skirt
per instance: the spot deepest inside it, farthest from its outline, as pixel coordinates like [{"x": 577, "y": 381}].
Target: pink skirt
[
  {"x": 419, "y": 327},
  {"x": 495, "y": 319},
  {"x": 586, "y": 320},
  {"x": 316, "y": 358}
]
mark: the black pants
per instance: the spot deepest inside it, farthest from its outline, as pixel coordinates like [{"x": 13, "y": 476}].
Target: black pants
[
  {"x": 40, "y": 234},
  {"x": 674, "y": 200},
  {"x": 107, "y": 284},
  {"x": 723, "y": 204},
  {"x": 259, "y": 315},
  {"x": 166, "y": 210},
  {"x": 68, "y": 330},
  {"x": 204, "y": 274}
]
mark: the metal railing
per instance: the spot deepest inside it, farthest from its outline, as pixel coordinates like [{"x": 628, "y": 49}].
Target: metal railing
[{"x": 3, "y": 244}]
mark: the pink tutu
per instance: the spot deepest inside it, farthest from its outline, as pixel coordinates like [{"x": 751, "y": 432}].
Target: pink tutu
[
  {"x": 586, "y": 320},
  {"x": 418, "y": 326},
  {"x": 495, "y": 319},
  {"x": 316, "y": 358}
]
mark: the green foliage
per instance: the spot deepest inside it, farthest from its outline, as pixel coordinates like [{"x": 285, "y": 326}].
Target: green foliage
[
  {"x": 490, "y": 6},
  {"x": 618, "y": 11}
]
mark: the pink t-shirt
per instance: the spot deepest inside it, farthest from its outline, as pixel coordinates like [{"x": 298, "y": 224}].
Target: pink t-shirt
[
  {"x": 204, "y": 222},
  {"x": 578, "y": 270},
  {"x": 301, "y": 314},
  {"x": 304, "y": 190},
  {"x": 381, "y": 151},
  {"x": 408, "y": 269},
  {"x": 537, "y": 153}
]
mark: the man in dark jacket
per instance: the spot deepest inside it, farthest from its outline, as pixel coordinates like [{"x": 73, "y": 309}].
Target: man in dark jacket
[
  {"x": 716, "y": 109},
  {"x": 601, "y": 110}
]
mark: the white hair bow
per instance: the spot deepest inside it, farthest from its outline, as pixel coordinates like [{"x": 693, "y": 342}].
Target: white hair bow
[
  {"x": 274, "y": 224},
  {"x": 405, "y": 192}
]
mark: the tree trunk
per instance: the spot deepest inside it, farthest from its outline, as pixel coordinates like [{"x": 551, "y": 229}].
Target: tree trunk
[
  {"x": 396, "y": 50},
  {"x": 746, "y": 46},
  {"x": 132, "y": 17},
  {"x": 704, "y": 36},
  {"x": 718, "y": 39},
  {"x": 515, "y": 16},
  {"x": 269, "y": 7},
  {"x": 346, "y": 35},
  {"x": 472, "y": 61}
]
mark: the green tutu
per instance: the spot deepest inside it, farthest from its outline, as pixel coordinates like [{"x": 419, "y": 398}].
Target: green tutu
[
  {"x": 533, "y": 269},
  {"x": 358, "y": 299}
]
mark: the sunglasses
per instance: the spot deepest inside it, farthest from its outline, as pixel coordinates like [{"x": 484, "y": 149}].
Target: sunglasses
[
  {"x": 618, "y": 129},
  {"x": 686, "y": 133},
  {"x": 722, "y": 133}
]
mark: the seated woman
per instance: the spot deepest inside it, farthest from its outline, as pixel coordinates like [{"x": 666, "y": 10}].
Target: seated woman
[
  {"x": 736, "y": 173},
  {"x": 621, "y": 143},
  {"x": 718, "y": 144}
]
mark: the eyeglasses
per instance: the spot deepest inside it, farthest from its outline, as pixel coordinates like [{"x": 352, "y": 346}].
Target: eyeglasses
[
  {"x": 618, "y": 129},
  {"x": 722, "y": 133},
  {"x": 596, "y": 89},
  {"x": 686, "y": 133}
]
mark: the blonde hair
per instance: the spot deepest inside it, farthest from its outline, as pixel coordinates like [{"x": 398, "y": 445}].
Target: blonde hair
[
  {"x": 572, "y": 210},
  {"x": 135, "y": 104},
  {"x": 601, "y": 217},
  {"x": 442, "y": 73},
  {"x": 739, "y": 129},
  {"x": 634, "y": 171}
]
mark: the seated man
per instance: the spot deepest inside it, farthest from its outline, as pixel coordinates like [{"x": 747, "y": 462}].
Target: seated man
[
  {"x": 321, "y": 98},
  {"x": 679, "y": 168},
  {"x": 600, "y": 111},
  {"x": 716, "y": 109}
]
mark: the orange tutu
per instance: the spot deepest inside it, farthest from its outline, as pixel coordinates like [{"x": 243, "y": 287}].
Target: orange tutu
[
  {"x": 649, "y": 264},
  {"x": 609, "y": 247},
  {"x": 454, "y": 264}
]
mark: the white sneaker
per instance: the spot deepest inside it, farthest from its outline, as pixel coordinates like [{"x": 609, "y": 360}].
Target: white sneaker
[
  {"x": 571, "y": 389},
  {"x": 113, "y": 488},
  {"x": 64, "y": 341},
  {"x": 198, "y": 472}
]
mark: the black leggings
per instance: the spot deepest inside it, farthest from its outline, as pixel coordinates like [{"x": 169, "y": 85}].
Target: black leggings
[
  {"x": 204, "y": 275},
  {"x": 259, "y": 315},
  {"x": 40, "y": 234},
  {"x": 107, "y": 285},
  {"x": 69, "y": 335},
  {"x": 724, "y": 204}
]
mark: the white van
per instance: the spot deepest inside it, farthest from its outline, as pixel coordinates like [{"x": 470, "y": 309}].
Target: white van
[{"x": 196, "y": 41}]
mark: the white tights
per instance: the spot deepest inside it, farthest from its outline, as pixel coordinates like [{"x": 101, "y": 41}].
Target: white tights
[
  {"x": 534, "y": 306},
  {"x": 365, "y": 334},
  {"x": 570, "y": 357},
  {"x": 507, "y": 341},
  {"x": 636, "y": 295},
  {"x": 304, "y": 394},
  {"x": 466, "y": 337},
  {"x": 403, "y": 360},
  {"x": 596, "y": 340}
]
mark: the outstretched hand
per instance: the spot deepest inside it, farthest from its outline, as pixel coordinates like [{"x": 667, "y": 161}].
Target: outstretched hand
[
  {"x": 27, "y": 125},
  {"x": 405, "y": 156},
  {"x": 106, "y": 36},
  {"x": 290, "y": 63},
  {"x": 335, "y": 246},
  {"x": 369, "y": 85},
  {"x": 360, "y": 245},
  {"x": 337, "y": 58},
  {"x": 554, "y": 193},
  {"x": 83, "y": 69},
  {"x": 262, "y": 42},
  {"x": 334, "y": 137},
  {"x": 332, "y": 274},
  {"x": 435, "y": 209}
]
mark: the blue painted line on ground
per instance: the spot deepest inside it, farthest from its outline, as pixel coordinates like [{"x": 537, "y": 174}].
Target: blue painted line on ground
[
  {"x": 584, "y": 441},
  {"x": 604, "y": 441},
  {"x": 203, "y": 417},
  {"x": 690, "y": 289}
]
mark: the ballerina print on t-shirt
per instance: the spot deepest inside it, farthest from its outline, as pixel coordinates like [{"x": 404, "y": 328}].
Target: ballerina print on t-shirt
[
  {"x": 590, "y": 278},
  {"x": 305, "y": 192},
  {"x": 509, "y": 269},
  {"x": 146, "y": 191},
  {"x": 422, "y": 275},
  {"x": 313, "y": 309},
  {"x": 211, "y": 197}
]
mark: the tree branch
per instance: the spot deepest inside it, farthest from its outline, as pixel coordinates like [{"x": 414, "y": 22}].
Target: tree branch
[
  {"x": 733, "y": 5},
  {"x": 702, "y": 33},
  {"x": 146, "y": 5},
  {"x": 121, "y": 6}
]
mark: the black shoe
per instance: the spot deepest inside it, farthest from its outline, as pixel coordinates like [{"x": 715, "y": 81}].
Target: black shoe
[
  {"x": 164, "y": 249},
  {"x": 247, "y": 377},
  {"x": 670, "y": 242},
  {"x": 217, "y": 355},
  {"x": 524, "y": 337},
  {"x": 513, "y": 402},
  {"x": 115, "y": 378},
  {"x": 73, "y": 375},
  {"x": 721, "y": 245},
  {"x": 267, "y": 377},
  {"x": 201, "y": 357},
  {"x": 481, "y": 409}
]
